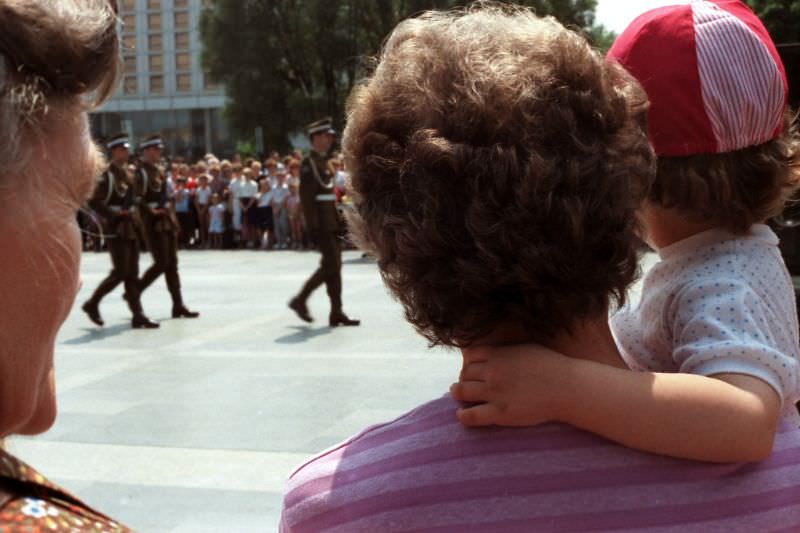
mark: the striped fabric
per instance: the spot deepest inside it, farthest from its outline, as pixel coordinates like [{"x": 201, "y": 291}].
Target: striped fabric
[
  {"x": 743, "y": 88},
  {"x": 424, "y": 472}
]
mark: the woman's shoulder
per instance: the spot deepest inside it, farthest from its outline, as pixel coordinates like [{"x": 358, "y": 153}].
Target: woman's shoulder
[{"x": 29, "y": 502}]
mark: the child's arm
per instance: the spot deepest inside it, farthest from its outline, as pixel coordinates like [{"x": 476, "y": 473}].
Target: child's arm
[{"x": 727, "y": 418}]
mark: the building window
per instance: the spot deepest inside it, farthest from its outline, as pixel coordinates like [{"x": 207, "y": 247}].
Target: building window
[
  {"x": 154, "y": 21},
  {"x": 183, "y": 82},
  {"x": 129, "y": 42},
  {"x": 156, "y": 84},
  {"x": 154, "y": 43},
  {"x": 156, "y": 63},
  {"x": 129, "y": 85},
  {"x": 128, "y": 5},
  {"x": 183, "y": 61},
  {"x": 153, "y": 4},
  {"x": 181, "y": 19},
  {"x": 130, "y": 64},
  {"x": 181, "y": 3},
  {"x": 129, "y": 23},
  {"x": 182, "y": 41}
]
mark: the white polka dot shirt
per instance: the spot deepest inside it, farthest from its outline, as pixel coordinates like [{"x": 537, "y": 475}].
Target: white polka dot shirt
[{"x": 717, "y": 303}]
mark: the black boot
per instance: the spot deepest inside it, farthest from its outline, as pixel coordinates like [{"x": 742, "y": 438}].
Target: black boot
[
  {"x": 142, "y": 322},
  {"x": 338, "y": 318},
  {"x": 299, "y": 306},
  {"x": 93, "y": 311},
  {"x": 180, "y": 311}
]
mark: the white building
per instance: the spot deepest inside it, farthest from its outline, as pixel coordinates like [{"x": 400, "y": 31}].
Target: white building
[{"x": 163, "y": 89}]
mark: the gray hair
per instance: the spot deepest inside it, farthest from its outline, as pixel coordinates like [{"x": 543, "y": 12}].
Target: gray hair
[{"x": 58, "y": 58}]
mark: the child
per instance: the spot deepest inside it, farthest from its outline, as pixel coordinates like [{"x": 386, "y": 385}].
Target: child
[
  {"x": 280, "y": 214},
  {"x": 264, "y": 199},
  {"x": 183, "y": 199},
  {"x": 248, "y": 190},
  {"x": 216, "y": 225},
  {"x": 295, "y": 216},
  {"x": 202, "y": 198},
  {"x": 714, "y": 340}
]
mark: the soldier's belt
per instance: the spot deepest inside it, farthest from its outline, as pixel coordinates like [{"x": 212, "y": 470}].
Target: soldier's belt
[
  {"x": 119, "y": 209},
  {"x": 153, "y": 205},
  {"x": 326, "y": 197}
]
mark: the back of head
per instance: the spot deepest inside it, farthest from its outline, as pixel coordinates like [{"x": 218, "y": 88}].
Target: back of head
[
  {"x": 718, "y": 121},
  {"x": 57, "y": 58},
  {"x": 496, "y": 164}
]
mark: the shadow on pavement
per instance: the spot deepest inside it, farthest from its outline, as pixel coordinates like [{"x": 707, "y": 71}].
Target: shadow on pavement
[
  {"x": 303, "y": 334},
  {"x": 98, "y": 334}
]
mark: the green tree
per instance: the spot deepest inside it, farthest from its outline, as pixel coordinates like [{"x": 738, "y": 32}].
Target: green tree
[
  {"x": 781, "y": 17},
  {"x": 285, "y": 63}
]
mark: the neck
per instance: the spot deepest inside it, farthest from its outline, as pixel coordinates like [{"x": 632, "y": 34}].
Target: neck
[
  {"x": 668, "y": 226},
  {"x": 590, "y": 339}
]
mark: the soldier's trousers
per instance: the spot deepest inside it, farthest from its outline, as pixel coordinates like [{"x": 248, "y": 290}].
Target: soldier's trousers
[
  {"x": 124, "y": 269},
  {"x": 164, "y": 249},
  {"x": 329, "y": 271}
]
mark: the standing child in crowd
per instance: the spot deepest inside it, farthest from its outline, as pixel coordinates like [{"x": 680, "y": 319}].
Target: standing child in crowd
[
  {"x": 264, "y": 200},
  {"x": 248, "y": 191},
  {"x": 270, "y": 168},
  {"x": 228, "y": 232},
  {"x": 294, "y": 172},
  {"x": 235, "y": 189},
  {"x": 202, "y": 199},
  {"x": 280, "y": 213},
  {"x": 216, "y": 224},
  {"x": 183, "y": 199},
  {"x": 295, "y": 210},
  {"x": 713, "y": 343}
]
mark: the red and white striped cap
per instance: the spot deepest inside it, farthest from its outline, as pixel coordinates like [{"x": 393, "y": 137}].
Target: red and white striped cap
[{"x": 712, "y": 74}]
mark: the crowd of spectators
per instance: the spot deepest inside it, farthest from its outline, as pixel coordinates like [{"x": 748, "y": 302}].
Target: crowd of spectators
[{"x": 235, "y": 203}]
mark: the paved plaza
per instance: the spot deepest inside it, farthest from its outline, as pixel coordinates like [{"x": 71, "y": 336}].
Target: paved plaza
[{"x": 193, "y": 428}]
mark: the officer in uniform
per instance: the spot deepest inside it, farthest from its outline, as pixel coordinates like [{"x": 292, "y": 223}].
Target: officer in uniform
[
  {"x": 160, "y": 225},
  {"x": 114, "y": 199},
  {"x": 322, "y": 221}
]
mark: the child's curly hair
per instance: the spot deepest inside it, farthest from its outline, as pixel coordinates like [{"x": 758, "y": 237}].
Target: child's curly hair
[
  {"x": 733, "y": 189},
  {"x": 497, "y": 162}
]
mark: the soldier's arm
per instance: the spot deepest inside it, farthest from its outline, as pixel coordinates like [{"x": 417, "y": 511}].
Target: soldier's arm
[
  {"x": 308, "y": 195},
  {"x": 98, "y": 200},
  {"x": 138, "y": 186}
]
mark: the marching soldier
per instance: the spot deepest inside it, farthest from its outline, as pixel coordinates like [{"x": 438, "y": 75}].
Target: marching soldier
[
  {"x": 160, "y": 225},
  {"x": 322, "y": 220},
  {"x": 114, "y": 200}
]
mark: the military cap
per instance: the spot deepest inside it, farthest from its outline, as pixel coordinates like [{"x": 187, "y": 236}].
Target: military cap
[
  {"x": 118, "y": 140},
  {"x": 152, "y": 141},
  {"x": 324, "y": 125}
]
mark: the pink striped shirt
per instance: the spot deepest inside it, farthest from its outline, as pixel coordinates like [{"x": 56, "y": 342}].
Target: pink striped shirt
[{"x": 425, "y": 472}]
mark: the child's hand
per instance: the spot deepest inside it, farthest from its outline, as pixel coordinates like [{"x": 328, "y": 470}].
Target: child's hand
[{"x": 513, "y": 385}]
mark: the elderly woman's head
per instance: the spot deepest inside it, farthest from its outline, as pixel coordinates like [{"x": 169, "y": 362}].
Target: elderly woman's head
[
  {"x": 58, "y": 58},
  {"x": 497, "y": 163}
]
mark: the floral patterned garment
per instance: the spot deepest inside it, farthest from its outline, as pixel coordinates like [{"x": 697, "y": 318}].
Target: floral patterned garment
[{"x": 29, "y": 503}]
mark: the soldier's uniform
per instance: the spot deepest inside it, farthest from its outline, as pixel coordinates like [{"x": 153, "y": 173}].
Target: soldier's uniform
[
  {"x": 318, "y": 200},
  {"x": 160, "y": 229},
  {"x": 114, "y": 199}
]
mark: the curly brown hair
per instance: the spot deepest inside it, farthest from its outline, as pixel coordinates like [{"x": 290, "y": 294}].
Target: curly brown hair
[
  {"x": 497, "y": 162},
  {"x": 736, "y": 189}
]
